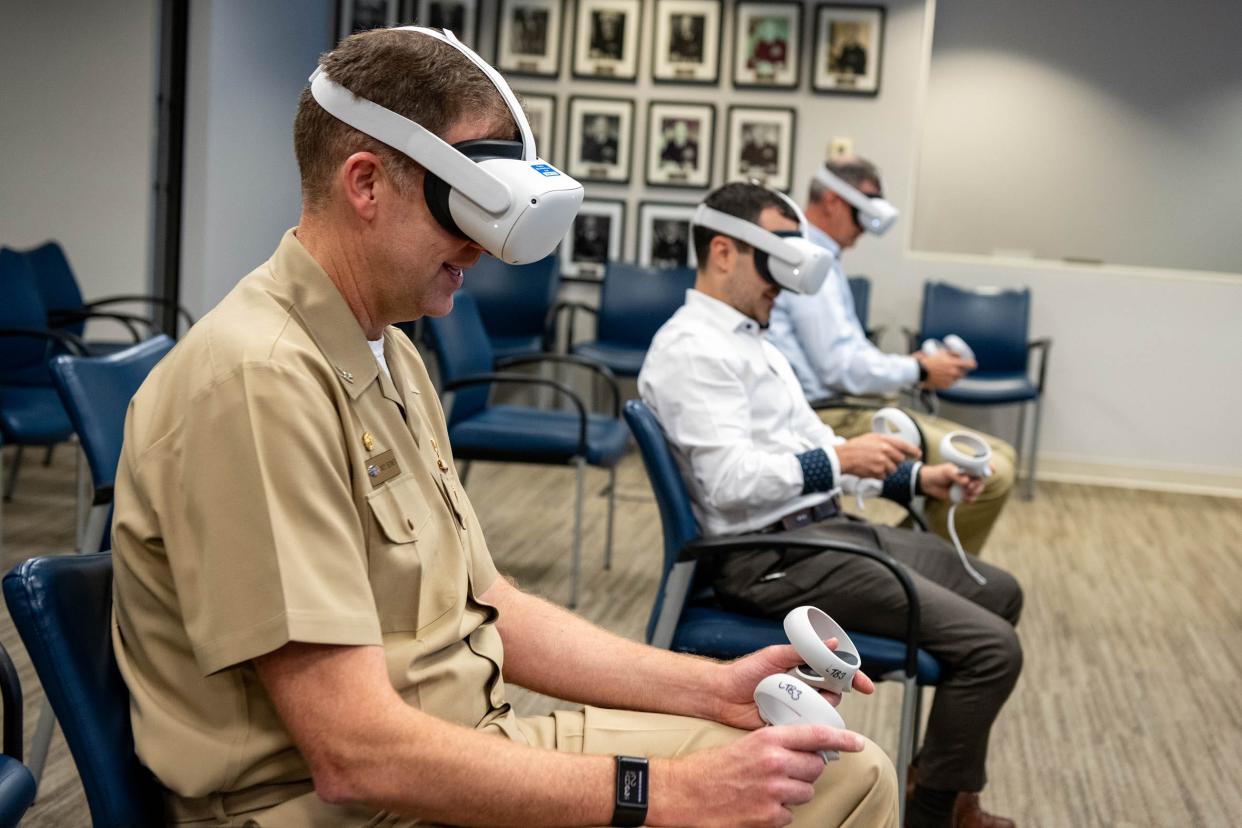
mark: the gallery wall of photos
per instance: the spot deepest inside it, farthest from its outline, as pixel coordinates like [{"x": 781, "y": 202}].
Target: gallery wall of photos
[{"x": 653, "y": 103}]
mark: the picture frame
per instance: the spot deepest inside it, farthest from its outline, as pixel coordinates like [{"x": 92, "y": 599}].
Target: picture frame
[
  {"x": 665, "y": 239},
  {"x": 461, "y": 17},
  {"x": 528, "y": 37},
  {"x": 759, "y": 145},
  {"x": 541, "y": 113},
  {"x": 680, "y": 137},
  {"x": 599, "y": 139},
  {"x": 606, "y": 39},
  {"x": 687, "y": 43},
  {"x": 361, "y": 15},
  {"x": 594, "y": 239},
  {"x": 767, "y": 45},
  {"x": 849, "y": 49}
]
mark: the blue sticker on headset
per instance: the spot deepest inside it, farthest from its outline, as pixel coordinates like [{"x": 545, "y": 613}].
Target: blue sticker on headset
[{"x": 544, "y": 169}]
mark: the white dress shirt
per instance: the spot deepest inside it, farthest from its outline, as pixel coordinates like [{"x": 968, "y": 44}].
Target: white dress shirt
[
  {"x": 736, "y": 417},
  {"x": 827, "y": 347}
]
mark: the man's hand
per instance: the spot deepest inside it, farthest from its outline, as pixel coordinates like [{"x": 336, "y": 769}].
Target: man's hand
[
  {"x": 751, "y": 782},
  {"x": 943, "y": 368},
  {"x": 874, "y": 455},
  {"x": 937, "y": 480},
  {"x": 736, "y": 690}
]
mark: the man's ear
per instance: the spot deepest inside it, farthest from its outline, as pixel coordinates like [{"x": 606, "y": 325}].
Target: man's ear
[
  {"x": 723, "y": 250},
  {"x": 358, "y": 176}
]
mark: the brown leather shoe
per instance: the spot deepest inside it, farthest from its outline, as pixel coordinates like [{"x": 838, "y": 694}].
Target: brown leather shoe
[{"x": 968, "y": 813}]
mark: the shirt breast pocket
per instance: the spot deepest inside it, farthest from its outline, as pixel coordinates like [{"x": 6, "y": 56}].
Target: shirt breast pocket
[{"x": 410, "y": 561}]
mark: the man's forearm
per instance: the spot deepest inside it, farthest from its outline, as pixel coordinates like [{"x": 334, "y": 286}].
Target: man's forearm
[{"x": 553, "y": 651}]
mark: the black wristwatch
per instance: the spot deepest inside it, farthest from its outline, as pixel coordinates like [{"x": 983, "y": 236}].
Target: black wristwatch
[
  {"x": 922, "y": 370},
  {"x": 631, "y": 803}
]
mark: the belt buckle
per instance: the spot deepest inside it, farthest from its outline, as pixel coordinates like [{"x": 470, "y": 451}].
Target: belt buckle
[{"x": 797, "y": 520}]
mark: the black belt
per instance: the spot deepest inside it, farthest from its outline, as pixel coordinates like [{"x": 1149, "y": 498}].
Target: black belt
[{"x": 805, "y": 517}]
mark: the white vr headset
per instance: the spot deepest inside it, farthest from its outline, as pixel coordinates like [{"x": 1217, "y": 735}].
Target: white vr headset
[
  {"x": 790, "y": 260},
  {"x": 497, "y": 193},
  {"x": 871, "y": 213}
]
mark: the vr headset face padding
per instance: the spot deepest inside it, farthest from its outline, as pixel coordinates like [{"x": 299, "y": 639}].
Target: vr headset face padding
[{"x": 437, "y": 191}]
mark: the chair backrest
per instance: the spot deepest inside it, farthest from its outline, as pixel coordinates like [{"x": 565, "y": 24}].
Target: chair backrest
[
  {"x": 96, "y": 392},
  {"x": 676, "y": 516},
  {"x": 513, "y": 300},
  {"x": 462, "y": 349},
  {"x": 635, "y": 301},
  {"x": 23, "y": 361},
  {"x": 860, "y": 288},
  {"x": 58, "y": 287},
  {"x": 61, "y": 607},
  {"x": 993, "y": 321}
]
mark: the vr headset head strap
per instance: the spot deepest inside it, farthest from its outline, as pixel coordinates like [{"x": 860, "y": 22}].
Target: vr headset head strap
[{"x": 746, "y": 231}]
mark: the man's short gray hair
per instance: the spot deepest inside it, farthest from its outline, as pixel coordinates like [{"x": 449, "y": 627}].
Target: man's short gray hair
[{"x": 854, "y": 170}]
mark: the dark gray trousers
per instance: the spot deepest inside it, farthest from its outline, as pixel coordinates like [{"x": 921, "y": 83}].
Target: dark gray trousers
[{"x": 968, "y": 627}]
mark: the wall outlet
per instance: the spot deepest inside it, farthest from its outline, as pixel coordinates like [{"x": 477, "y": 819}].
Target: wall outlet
[{"x": 840, "y": 147}]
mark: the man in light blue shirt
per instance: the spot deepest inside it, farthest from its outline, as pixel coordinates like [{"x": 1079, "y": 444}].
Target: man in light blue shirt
[{"x": 825, "y": 343}]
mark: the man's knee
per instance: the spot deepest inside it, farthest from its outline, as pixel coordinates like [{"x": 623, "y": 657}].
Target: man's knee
[
  {"x": 1003, "y": 475},
  {"x": 859, "y": 789},
  {"x": 999, "y": 658},
  {"x": 1006, "y": 597}
]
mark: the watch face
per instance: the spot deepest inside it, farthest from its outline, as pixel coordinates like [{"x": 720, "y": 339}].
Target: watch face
[{"x": 631, "y": 803}]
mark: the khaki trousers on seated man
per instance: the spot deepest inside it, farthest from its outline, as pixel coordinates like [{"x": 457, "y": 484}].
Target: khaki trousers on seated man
[{"x": 973, "y": 521}]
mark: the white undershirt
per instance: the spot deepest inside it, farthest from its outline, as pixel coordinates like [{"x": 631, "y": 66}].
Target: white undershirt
[{"x": 377, "y": 348}]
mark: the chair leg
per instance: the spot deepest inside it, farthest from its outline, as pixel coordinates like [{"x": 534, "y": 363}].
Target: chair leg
[
  {"x": 1030, "y": 480},
  {"x": 96, "y": 526},
  {"x": 1018, "y": 453},
  {"x": 47, "y": 455},
  {"x": 11, "y": 486},
  {"x": 464, "y": 473},
  {"x": 612, "y": 508},
  {"x": 576, "y": 561},
  {"x": 905, "y": 738},
  {"x": 42, "y": 741}
]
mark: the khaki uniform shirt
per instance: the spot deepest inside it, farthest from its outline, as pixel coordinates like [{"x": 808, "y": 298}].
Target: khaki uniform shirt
[{"x": 276, "y": 486}]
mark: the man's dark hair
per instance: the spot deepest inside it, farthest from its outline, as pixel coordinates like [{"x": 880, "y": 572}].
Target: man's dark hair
[{"x": 744, "y": 200}]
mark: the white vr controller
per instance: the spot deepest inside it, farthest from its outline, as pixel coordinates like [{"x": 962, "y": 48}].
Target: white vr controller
[
  {"x": 970, "y": 453},
  {"x": 953, "y": 343},
  {"x": 793, "y": 697}
]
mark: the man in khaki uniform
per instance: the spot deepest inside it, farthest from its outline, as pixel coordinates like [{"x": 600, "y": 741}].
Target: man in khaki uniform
[
  {"x": 836, "y": 364},
  {"x": 306, "y": 612}
]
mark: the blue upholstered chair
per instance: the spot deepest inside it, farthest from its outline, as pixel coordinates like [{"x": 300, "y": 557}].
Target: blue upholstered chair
[
  {"x": 860, "y": 289},
  {"x": 61, "y": 607},
  {"x": 17, "y": 783},
  {"x": 515, "y": 303},
  {"x": 96, "y": 392},
  {"x": 480, "y": 430},
  {"x": 634, "y": 302},
  {"x": 30, "y": 412},
  {"x": 996, "y": 324},
  {"x": 686, "y": 618},
  {"x": 58, "y": 288}
]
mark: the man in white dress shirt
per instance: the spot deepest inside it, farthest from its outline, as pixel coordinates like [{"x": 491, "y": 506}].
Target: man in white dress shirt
[
  {"x": 756, "y": 458},
  {"x": 830, "y": 354}
]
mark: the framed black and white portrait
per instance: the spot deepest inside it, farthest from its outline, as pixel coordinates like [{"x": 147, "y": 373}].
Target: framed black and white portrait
[
  {"x": 362, "y": 15},
  {"x": 759, "y": 145},
  {"x": 767, "y": 45},
  {"x": 599, "y": 139},
  {"x": 528, "y": 37},
  {"x": 848, "y": 45},
  {"x": 461, "y": 17},
  {"x": 664, "y": 238},
  {"x": 594, "y": 239},
  {"x": 679, "y": 144},
  {"x": 687, "y": 41},
  {"x": 541, "y": 114},
  {"x": 606, "y": 39}
]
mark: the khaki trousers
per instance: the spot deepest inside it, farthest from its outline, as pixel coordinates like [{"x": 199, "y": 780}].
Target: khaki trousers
[
  {"x": 973, "y": 521},
  {"x": 859, "y": 790}
]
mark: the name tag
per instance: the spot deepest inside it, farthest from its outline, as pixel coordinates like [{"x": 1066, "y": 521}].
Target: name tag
[{"x": 381, "y": 468}]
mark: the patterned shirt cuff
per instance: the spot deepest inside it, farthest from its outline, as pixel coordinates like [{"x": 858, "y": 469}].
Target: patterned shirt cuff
[
  {"x": 817, "y": 471},
  {"x": 902, "y": 485}
]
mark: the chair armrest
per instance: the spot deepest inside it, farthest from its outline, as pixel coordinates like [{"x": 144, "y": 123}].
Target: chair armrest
[
  {"x": 161, "y": 301},
  {"x": 11, "y": 690},
  {"x": 522, "y": 379},
  {"x": 1044, "y": 346},
  {"x": 874, "y": 334},
  {"x": 66, "y": 340},
  {"x": 914, "y": 339},
  {"x": 700, "y": 547},
  {"x": 571, "y": 359},
  {"x": 58, "y": 317}
]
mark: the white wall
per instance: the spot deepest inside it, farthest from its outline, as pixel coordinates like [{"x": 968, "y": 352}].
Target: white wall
[
  {"x": 248, "y": 62},
  {"x": 77, "y": 127}
]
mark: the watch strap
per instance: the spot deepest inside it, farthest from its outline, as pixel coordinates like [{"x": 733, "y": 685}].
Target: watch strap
[{"x": 630, "y": 806}]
